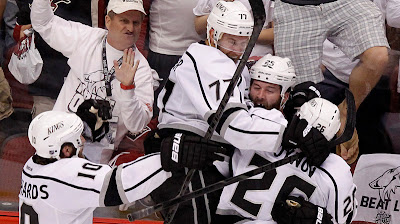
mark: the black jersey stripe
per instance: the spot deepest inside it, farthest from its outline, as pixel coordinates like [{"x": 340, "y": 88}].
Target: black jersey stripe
[
  {"x": 223, "y": 118},
  {"x": 336, "y": 192},
  {"x": 59, "y": 181},
  {"x": 140, "y": 159},
  {"x": 144, "y": 180},
  {"x": 168, "y": 90},
  {"x": 254, "y": 132},
  {"x": 265, "y": 118},
  {"x": 112, "y": 196},
  {"x": 198, "y": 79}
]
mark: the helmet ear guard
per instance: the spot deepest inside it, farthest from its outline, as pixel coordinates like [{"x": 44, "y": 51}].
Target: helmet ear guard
[{"x": 51, "y": 129}]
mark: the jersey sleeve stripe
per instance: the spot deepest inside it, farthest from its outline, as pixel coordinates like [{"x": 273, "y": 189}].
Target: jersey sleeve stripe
[
  {"x": 265, "y": 119},
  {"x": 140, "y": 159},
  {"x": 226, "y": 118},
  {"x": 168, "y": 90},
  {"x": 112, "y": 196},
  {"x": 198, "y": 79},
  {"x": 144, "y": 180},
  {"x": 60, "y": 181},
  {"x": 336, "y": 193},
  {"x": 230, "y": 109},
  {"x": 254, "y": 132}
]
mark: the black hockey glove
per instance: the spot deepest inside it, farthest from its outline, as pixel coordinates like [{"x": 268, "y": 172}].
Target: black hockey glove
[
  {"x": 95, "y": 126},
  {"x": 304, "y": 92},
  {"x": 309, "y": 139},
  {"x": 104, "y": 109},
  {"x": 300, "y": 94},
  {"x": 296, "y": 210},
  {"x": 194, "y": 152}
]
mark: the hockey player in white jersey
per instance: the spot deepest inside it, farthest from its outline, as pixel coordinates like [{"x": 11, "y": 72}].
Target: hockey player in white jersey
[
  {"x": 192, "y": 95},
  {"x": 297, "y": 193},
  {"x": 60, "y": 187}
]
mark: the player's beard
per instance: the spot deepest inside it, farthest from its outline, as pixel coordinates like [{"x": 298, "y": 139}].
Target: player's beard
[{"x": 265, "y": 104}]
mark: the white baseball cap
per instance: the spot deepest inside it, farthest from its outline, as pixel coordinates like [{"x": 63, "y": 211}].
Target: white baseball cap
[{"x": 121, "y": 6}]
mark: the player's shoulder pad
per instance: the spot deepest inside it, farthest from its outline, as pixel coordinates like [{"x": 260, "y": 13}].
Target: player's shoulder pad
[{"x": 336, "y": 167}]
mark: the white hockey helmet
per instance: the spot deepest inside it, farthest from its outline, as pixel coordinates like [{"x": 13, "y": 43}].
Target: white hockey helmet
[
  {"x": 229, "y": 17},
  {"x": 322, "y": 115},
  {"x": 276, "y": 70},
  {"x": 51, "y": 129}
]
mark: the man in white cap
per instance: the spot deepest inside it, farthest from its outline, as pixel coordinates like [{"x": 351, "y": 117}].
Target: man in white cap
[{"x": 110, "y": 83}]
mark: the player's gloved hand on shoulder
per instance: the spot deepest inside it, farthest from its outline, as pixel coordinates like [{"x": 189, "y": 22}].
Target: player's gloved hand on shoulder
[
  {"x": 299, "y": 134},
  {"x": 191, "y": 151},
  {"x": 95, "y": 126},
  {"x": 296, "y": 210}
]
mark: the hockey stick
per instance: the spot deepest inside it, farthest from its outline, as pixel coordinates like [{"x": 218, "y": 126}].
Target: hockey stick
[
  {"x": 257, "y": 7},
  {"x": 347, "y": 134},
  {"x": 213, "y": 187},
  {"x": 350, "y": 121}
]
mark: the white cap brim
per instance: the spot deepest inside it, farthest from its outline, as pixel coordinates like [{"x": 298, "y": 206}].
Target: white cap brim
[{"x": 121, "y": 8}]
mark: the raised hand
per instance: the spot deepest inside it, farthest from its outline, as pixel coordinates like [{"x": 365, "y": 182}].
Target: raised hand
[{"x": 126, "y": 72}]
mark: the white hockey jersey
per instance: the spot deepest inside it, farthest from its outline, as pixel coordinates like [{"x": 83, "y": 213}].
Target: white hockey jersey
[
  {"x": 192, "y": 95},
  {"x": 67, "y": 191},
  {"x": 330, "y": 186}
]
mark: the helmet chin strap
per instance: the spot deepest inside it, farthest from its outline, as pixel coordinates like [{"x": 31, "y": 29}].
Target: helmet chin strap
[
  {"x": 283, "y": 102},
  {"x": 282, "y": 105},
  {"x": 77, "y": 152},
  {"x": 79, "y": 149}
]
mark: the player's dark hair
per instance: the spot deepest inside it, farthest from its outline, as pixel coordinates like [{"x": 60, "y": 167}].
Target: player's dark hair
[
  {"x": 66, "y": 144},
  {"x": 111, "y": 14},
  {"x": 42, "y": 161}
]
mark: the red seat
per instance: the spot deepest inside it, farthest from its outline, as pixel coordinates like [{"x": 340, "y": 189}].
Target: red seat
[{"x": 15, "y": 151}]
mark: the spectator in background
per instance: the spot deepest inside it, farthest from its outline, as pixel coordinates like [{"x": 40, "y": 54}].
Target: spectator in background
[
  {"x": 102, "y": 75},
  {"x": 46, "y": 89},
  {"x": 3, "y": 4},
  {"x": 170, "y": 34},
  {"x": 6, "y": 108},
  {"x": 266, "y": 38},
  {"x": 8, "y": 18},
  {"x": 337, "y": 70},
  {"x": 391, "y": 11},
  {"x": 300, "y": 27}
]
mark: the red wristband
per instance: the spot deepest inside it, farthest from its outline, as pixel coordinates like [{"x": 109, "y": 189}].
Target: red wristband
[{"x": 124, "y": 87}]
